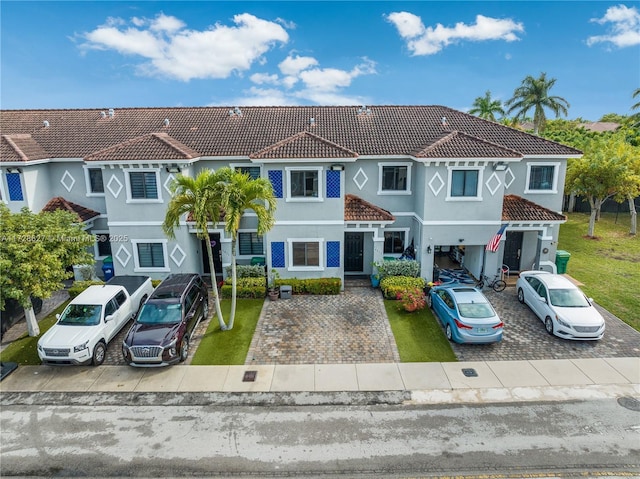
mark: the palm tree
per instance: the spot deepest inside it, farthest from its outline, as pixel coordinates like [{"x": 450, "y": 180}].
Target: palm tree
[
  {"x": 534, "y": 93},
  {"x": 636, "y": 93},
  {"x": 485, "y": 107},
  {"x": 197, "y": 197},
  {"x": 238, "y": 193}
]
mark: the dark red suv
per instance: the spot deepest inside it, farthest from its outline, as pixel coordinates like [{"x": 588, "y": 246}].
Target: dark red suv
[{"x": 162, "y": 330}]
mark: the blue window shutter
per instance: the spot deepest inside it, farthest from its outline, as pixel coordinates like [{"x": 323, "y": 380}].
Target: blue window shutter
[
  {"x": 333, "y": 184},
  {"x": 275, "y": 177},
  {"x": 333, "y": 254},
  {"x": 14, "y": 186},
  {"x": 277, "y": 254}
]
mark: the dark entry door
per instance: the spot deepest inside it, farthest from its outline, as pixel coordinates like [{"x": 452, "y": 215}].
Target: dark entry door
[
  {"x": 217, "y": 256},
  {"x": 512, "y": 250},
  {"x": 353, "y": 252}
]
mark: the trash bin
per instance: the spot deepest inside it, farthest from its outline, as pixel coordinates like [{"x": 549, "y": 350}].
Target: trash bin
[
  {"x": 258, "y": 260},
  {"x": 107, "y": 268},
  {"x": 562, "y": 258},
  {"x": 285, "y": 292}
]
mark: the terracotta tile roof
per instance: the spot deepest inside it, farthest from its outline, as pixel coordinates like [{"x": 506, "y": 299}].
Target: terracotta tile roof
[
  {"x": 456, "y": 143},
  {"x": 59, "y": 203},
  {"x": 212, "y": 131},
  {"x": 304, "y": 145},
  {"x": 21, "y": 147},
  {"x": 156, "y": 146},
  {"x": 518, "y": 209},
  {"x": 357, "y": 209}
]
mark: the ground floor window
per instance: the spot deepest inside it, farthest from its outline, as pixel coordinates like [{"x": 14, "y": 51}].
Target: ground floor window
[
  {"x": 393, "y": 242},
  {"x": 150, "y": 255},
  {"x": 249, "y": 243},
  {"x": 306, "y": 253}
]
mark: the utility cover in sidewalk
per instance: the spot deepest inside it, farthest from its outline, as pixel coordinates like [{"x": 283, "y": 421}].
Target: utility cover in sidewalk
[
  {"x": 249, "y": 376},
  {"x": 470, "y": 372}
]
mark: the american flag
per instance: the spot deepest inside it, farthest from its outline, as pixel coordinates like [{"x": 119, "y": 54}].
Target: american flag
[{"x": 495, "y": 241}]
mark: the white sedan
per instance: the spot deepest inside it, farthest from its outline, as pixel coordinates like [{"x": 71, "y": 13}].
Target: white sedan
[{"x": 563, "y": 308}]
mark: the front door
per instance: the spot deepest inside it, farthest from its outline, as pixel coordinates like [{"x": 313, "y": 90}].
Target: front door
[
  {"x": 353, "y": 252},
  {"x": 217, "y": 255},
  {"x": 512, "y": 250}
]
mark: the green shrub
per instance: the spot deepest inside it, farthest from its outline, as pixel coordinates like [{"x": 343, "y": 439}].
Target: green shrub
[
  {"x": 155, "y": 282},
  {"x": 392, "y": 286},
  {"x": 248, "y": 271},
  {"x": 79, "y": 286},
  {"x": 248, "y": 287},
  {"x": 403, "y": 267},
  {"x": 312, "y": 285}
]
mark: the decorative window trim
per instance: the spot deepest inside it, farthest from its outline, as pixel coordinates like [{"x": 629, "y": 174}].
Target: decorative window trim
[
  {"x": 451, "y": 169},
  {"x": 127, "y": 181},
  {"x": 20, "y": 180},
  {"x": 381, "y": 166},
  {"x": 554, "y": 186},
  {"x": 3, "y": 193},
  {"x": 136, "y": 260},
  {"x": 321, "y": 253},
  {"x": 304, "y": 199},
  {"x": 87, "y": 181}
]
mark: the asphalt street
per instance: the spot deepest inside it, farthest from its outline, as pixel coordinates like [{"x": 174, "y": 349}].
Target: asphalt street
[{"x": 161, "y": 439}]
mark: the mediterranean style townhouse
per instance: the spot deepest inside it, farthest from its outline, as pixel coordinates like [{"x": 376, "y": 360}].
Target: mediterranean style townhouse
[{"x": 354, "y": 185}]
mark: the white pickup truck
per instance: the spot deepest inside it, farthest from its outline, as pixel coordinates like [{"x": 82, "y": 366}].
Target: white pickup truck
[{"x": 92, "y": 319}]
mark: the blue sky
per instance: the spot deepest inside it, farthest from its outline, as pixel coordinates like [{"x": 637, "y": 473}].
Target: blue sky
[{"x": 121, "y": 54}]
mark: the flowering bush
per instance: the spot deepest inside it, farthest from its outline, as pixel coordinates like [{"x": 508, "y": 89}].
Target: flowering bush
[{"x": 411, "y": 299}]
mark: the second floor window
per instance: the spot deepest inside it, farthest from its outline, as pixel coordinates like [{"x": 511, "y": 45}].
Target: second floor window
[
  {"x": 464, "y": 183},
  {"x": 541, "y": 177},
  {"x": 304, "y": 183},
  {"x": 252, "y": 171},
  {"x": 394, "y": 178},
  {"x": 144, "y": 185},
  {"x": 95, "y": 180}
]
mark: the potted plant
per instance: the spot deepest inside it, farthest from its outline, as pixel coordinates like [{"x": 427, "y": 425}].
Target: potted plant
[{"x": 273, "y": 290}]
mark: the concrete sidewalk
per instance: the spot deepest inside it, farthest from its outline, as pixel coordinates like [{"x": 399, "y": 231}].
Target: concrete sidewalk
[{"x": 429, "y": 383}]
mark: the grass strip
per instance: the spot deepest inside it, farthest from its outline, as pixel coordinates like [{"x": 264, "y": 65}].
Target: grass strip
[
  {"x": 419, "y": 336},
  {"x": 229, "y": 347}
]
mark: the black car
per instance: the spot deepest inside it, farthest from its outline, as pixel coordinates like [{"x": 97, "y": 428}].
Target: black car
[
  {"x": 14, "y": 312},
  {"x": 162, "y": 330}
]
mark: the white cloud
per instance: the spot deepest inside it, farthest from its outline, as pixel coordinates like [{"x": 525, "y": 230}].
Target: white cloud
[
  {"x": 423, "y": 40},
  {"x": 176, "y": 52},
  {"x": 624, "y": 28},
  {"x": 261, "y": 78},
  {"x": 292, "y": 65}
]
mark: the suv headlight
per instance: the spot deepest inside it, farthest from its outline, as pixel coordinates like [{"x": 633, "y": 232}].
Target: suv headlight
[
  {"x": 80, "y": 347},
  {"x": 172, "y": 347}
]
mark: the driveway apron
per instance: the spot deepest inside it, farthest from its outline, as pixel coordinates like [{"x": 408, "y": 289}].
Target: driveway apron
[{"x": 351, "y": 327}]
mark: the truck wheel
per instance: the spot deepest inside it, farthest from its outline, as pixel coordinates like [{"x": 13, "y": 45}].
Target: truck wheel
[{"x": 99, "y": 353}]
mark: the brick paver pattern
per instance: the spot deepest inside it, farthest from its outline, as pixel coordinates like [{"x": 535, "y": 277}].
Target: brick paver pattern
[{"x": 351, "y": 327}]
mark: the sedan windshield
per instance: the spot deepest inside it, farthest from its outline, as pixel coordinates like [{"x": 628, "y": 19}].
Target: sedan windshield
[
  {"x": 476, "y": 310},
  {"x": 81, "y": 315},
  {"x": 568, "y": 298},
  {"x": 161, "y": 313}
]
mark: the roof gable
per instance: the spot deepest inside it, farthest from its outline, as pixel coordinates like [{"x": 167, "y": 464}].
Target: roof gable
[
  {"x": 304, "y": 145},
  {"x": 59, "y": 203},
  {"x": 156, "y": 146},
  {"x": 457, "y": 144},
  {"x": 21, "y": 147},
  {"x": 357, "y": 209}
]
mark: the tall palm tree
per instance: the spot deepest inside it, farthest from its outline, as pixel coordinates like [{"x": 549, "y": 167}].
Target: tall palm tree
[
  {"x": 486, "y": 107},
  {"x": 197, "y": 196},
  {"x": 534, "y": 93},
  {"x": 238, "y": 193}
]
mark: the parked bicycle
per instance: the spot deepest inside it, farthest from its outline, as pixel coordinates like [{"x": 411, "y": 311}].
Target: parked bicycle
[{"x": 497, "y": 283}]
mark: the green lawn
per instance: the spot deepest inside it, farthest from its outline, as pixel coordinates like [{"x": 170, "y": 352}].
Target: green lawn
[
  {"x": 24, "y": 350},
  {"x": 608, "y": 265},
  {"x": 418, "y": 335},
  {"x": 229, "y": 347}
]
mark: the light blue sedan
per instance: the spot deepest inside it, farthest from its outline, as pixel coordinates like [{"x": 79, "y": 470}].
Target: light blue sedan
[{"x": 466, "y": 314}]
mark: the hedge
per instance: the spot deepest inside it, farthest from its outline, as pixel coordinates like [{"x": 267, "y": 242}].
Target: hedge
[
  {"x": 391, "y": 286},
  {"x": 311, "y": 285},
  {"x": 247, "y": 287},
  {"x": 402, "y": 267},
  {"x": 79, "y": 286}
]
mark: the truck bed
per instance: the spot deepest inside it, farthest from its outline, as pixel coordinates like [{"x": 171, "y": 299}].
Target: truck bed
[{"x": 130, "y": 282}]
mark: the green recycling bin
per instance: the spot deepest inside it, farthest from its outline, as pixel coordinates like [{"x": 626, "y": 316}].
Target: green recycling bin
[{"x": 562, "y": 258}]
